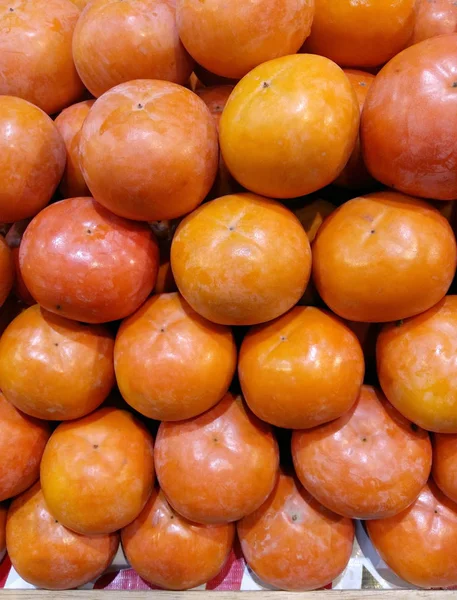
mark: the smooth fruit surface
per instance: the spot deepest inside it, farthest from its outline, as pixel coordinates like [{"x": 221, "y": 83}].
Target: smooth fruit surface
[
  {"x": 227, "y": 448},
  {"x": 444, "y": 469},
  {"x": 53, "y": 368},
  {"x": 66, "y": 559},
  {"x": 433, "y": 18},
  {"x": 271, "y": 132},
  {"x": 241, "y": 259},
  {"x": 171, "y": 552},
  {"x": 109, "y": 455},
  {"x": 370, "y": 463},
  {"x": 301, "y": 370},
  {"x": 383, "y": 257}
]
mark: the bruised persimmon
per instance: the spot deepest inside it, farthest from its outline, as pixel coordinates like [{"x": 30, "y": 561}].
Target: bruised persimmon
[
  {"x": 169, "y": 551},
  {"x": 189, "y": 456}
]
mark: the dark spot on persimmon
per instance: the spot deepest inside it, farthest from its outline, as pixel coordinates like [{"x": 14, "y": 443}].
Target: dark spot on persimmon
[
  {"x": 454, "y": 84},
  {"x": 56, "y": 343},
  {"x": 89, "y": 231},
  {"x": 11, "y": 9},
  {"x": 58, "y": 307},
  {"x": 162, "y": 330},
  {"x": 373, "y": 231},
  {"x": 139, "y": 105},
  {"x": 399, "y": 323},
  {"x": 215, "y": 440},
  {"x": 95, "y": 446},
  {"x": 56, "y": 521},
  {"x": 265, "y": 84},
  {"x": 294, "y": 517},
  {"x": 435, "y": 511},
  {"x": 231, "y": 228},
  {"x": 172, "y": 516},
  {"x": 283, "y": 338},
  {"x": 364, "y": 439},
  {"x": 362, "y": 83},
  {"x": 414, "y": 427}
]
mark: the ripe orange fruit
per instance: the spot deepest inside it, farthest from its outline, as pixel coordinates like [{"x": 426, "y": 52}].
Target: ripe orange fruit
[
  {"x": 231, "y": 39},
  {"x": 6, "y": 271},
  {"x": 401, "y": 148},
  {"x": 355, "y": 174},
  {"x": 292, "y": 542},
  {"x": 419, "y": 543},
  {"x": 3, "y": 512},
  {"x": 53, "y": 368},
  {"x": 444, "y": 468},
  {"x": 312, "y": 214},
  {"x": 174, "y": 133},
  {"x": 301, "y": 370},
  {"x": 66, "y": 559},
  {"x": 271, "y": 132},
  {"x": 241, "y": 259},
  {"x": 107, "y": 455},
  {"x": 22, "y": 442},
  {"x": 360, "y": 34},
  {"x": 171, "y": 363},
  {"x": 138, "y": 39},
  {"x": 69, "y": 124},
  {"x": 32, "y": 157},
  {"x": 433, "y": 18},
  {"x": 82, "y": 262},
  {"x": 169, "y": 551},
  {"x": 215, "y": 98},
  {"x": 416, "y": 361},
  {"x": 375, "y": 455},
  {"x": 43, "y": 71},
  {"x": 399, "y": 258},
  {"x": 219, "y": 466}
]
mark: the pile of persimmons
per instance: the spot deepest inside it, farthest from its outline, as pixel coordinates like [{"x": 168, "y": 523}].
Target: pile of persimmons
[{"x": 226, "y": 279}]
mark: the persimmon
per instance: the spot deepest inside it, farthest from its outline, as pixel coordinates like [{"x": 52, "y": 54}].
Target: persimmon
[
  {"x": 360, "y": 34},
  {"x": 22, "y": 442},
  {"x": 171, "y": 363},
  {"x": 106, "y": 455},
  {"x": 82, "y": 262},
  {"x": 370, "y": 463},
  {"x": 292, "y": 542},
  {"x": 32, "y": 157},
  {"x": 138, "y": 39},
  {"x": 444, "y": 468},
  {"x": 230, "y": 40},
  {"x": 3, "y": 512},
  {"x": 419, "y": 543},
  {"x": 6, "y": 270},
  {"x": 66, "y": 559},
  {"x": 399, "y": 258},
  {"x": 171, "y": 552},
  {"x": 433, "y": 18},
  {"x": 401, "y": 148},
  {"x": 219, "y": 466},
  {"x": 69, "y": 123},
  {"x": 80, "y": 3},
  {"x": 312, "y": 214},
  {"x": 13, "y": 239},
  {"x": 174, "y": 133},
  {"x": 355, "y": 174},
  {"x": 300, "y": 370},
  {"x": 416, "y": 359},
  {"x": 43, "y": 71},
  {"x": 241, "y": 259},
  {"x": 53, "y": 368},
  {"x": 271, "y": 132}
]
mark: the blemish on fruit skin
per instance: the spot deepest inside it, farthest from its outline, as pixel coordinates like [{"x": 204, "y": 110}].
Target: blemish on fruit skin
[
  {"x": 265, "y": 84},
  {"x": 454, "y": 85}
]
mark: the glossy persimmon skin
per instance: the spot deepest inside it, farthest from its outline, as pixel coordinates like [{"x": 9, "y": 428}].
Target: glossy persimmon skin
[
  {"x": 6, "y": 271},
  {"x": 82, "y": 262},
  {"x": 189, "y": 455},
  {"x": 271, "y": 132},
  {"x": 360, "y": 34},
  {"x": 301, "y": 370},
  {"x": 43, "y": 71},
  {"x": 3, "y": 513},
  {"x": 67, "y": 559},
  {"x": 370, "y": 463},
  {"x": 107, "y": 454},
  {"x": 401, "y": 148},
  {"x": 410, "y": 249},
  {"x": 419, "y": 543},
  {"x": 171, "y": 552},
  {"x": 292, "y": 524},
  {"x": 241, "y": 259},
  {"x": 174, "y": 132},
  {"x": 32, "y": 158},
  {"x": 138, "y": 39},
  {"x": 416, "y": 362},
  {"x": 444, "y": 468},
  {"x": 171, "y": 363},
  {"x": 355, "y": 174},
  {"x": 230, "y": 40},
  {"x": 69, "y": 123},
  {"x": 22, "y": 442},
  {"x": 53, "y": 368},
  {"x": 433, "y": 18}
]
